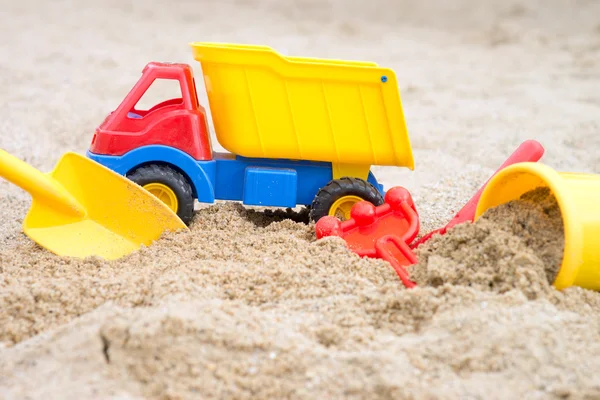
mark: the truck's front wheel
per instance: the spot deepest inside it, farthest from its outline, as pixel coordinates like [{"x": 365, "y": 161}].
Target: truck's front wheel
[
  {"x": 339, "y": 196},
  {"x": 168, "y": 185}
]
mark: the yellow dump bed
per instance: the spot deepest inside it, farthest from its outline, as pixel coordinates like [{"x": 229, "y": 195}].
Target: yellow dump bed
[{"x": 266, "y": 105}]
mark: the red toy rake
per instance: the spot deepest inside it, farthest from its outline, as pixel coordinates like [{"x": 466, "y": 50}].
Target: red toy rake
[
  {"x": 386, "y": 231},
  {"x": 379, "y": 232}
]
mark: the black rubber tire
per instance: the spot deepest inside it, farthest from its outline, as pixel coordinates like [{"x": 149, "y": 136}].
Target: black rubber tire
[
  {"x": 338, "y": 188},
  {"x": 154, "y": 173}
]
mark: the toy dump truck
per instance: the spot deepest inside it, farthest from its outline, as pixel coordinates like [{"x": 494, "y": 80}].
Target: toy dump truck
[{"x": 298, "y": 131}]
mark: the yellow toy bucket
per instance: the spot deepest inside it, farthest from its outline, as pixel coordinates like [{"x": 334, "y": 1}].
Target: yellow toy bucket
[{"x": 578, "y": 196}]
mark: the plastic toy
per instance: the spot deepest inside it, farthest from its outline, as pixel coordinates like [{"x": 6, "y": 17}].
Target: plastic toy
[
  {"x": 299, "y": 131},
  {"x": 387, "y": 231},
  {"x": 379, "y": 232},
  {"x": 83, "y": 209},
  {"x": 577, "y": 195}
]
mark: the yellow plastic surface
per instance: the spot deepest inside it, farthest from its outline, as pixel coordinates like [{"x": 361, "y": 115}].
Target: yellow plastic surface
[
  {"x": 266, "y": 105},
  {"x": 578, "y": 197},
  {"x": 342, "y": 207},
  {"x": 83, "y": 209},
  {"x": 164, "y": 194}
]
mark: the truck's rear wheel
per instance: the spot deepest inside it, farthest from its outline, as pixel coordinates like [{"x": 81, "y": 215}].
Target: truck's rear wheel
[
  {"x": 339, "y": 196},
  {"x": 169, "y": 186}
]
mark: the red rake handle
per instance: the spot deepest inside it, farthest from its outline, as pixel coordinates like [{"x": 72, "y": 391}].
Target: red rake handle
[
  {"x": 528, "y": 151},
  {"x": 385, "y": 244}
]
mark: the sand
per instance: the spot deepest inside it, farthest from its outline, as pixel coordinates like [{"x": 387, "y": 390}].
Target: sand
[
  {"x": 247, "y": 304},
  {"x": 501, "y": 251},
  {"x": 263, "y": 310}
]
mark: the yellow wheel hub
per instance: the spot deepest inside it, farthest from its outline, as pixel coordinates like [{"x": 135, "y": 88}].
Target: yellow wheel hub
[
  {"x": 341, "y": 208},
  {"x": 164, "y": 194}
]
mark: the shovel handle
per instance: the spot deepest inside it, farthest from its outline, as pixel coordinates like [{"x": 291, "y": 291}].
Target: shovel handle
[{"x": 39, "y": 185}]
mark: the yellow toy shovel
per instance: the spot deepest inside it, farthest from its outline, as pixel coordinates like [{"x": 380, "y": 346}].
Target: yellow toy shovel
[{"x": 83, "y": 209}]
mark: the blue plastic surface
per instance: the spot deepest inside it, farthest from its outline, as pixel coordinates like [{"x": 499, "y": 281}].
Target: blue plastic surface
[
  {"x": 201, "y": 177},
  {"x": 224, "y": 177},
  {"x": 231, "y": 172},
  {"x": 275, "y": 187}
]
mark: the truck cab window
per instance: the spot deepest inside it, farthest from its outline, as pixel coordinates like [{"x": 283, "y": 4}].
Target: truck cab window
[{"x": 160, "y": 91}]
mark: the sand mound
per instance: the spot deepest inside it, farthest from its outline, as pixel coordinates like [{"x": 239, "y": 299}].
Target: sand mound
[
  {"x": 248, "y": 304},
  {"x": 516, "y": 245},
  {"x": 231, "y": 253}
]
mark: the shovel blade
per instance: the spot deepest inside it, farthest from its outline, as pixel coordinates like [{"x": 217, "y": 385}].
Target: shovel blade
[
  {"x": 119, "y": 215},
  {"x": 82, "y": 239}
]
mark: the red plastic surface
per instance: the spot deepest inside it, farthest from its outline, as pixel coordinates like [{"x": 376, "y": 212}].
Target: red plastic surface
[
  {"x": 379, "y": 232},
  {"x": 179, "y": 123},
  {"x": 528, "y": 151}
]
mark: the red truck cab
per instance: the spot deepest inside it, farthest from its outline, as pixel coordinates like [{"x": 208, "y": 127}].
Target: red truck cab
[{"x": 179, "y": 122}]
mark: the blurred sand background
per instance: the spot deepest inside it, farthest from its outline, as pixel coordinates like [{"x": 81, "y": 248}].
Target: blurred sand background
[{"x": 476, "y": 78}]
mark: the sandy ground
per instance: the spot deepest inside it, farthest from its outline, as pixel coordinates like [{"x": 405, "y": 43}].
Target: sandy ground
[{"x": 249, "y": 305}]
